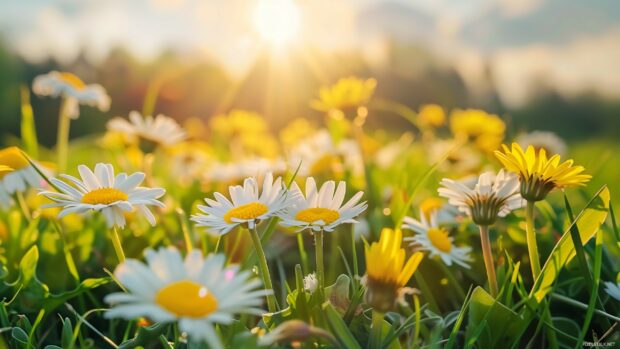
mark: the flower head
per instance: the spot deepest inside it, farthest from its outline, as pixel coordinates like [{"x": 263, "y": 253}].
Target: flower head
[
  {"x": 196, "y": 292},
  {"x": 248, "y": 205},
  {"x": 432, "y": 115},
  {"x": 538, "y": 174},
  {"x": 485, "y": 130},
  {"x": 102, "y": 191},
  {"x": 491, "y": 197},
  {"x": 158, "y": 131},
  {"x": 387, "y": 271},
  {"x": 73, "y": 89},
  {"x": 347, "y": 93},
  {"x": 436, "y": 240},
  {"x": 322, "y": 209},
  {"x": 16, "y": 175},
  {"x": 311, "y": 282}
]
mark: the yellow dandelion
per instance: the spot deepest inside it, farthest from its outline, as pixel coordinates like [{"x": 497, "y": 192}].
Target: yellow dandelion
[
  {"x": 485, "y": 130},
  {"x": 348, "y": 93},
  {"x": 539, "y": 174},
  {"x": 387, "y": 270},
  {"x": 432, "y": 115}
]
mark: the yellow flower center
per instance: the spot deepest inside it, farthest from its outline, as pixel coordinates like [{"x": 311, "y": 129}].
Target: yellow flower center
[
  {"x": 186, "y": 299},
  {"x": 104, "y": 196},
  {"x": 248, "y": 211},
  {"x": 310, "y": 215},
  {"x": 439, "y": 238},
  {"x": 72, "y": 80},
  {"x": 13, "y": 158}
]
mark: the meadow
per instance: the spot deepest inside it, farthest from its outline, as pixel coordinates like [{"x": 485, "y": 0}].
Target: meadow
[{"x": 455, "y": 232}]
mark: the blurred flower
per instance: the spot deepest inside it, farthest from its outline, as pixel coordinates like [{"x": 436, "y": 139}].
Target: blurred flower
[
  {"x": 311, "y": 283},
  {"x": 296, "y": 130},
  {"x": 390, "y": 153},
  {"x": 73, "y": 89},
  {"x": 195, "y": 128},
  {"x": 314, "y": 155},
  {"x": 461, "y": 160},
  {"x": 445, "y": 213},
  {"x": 247, "y": 205},
  {"x": 189, "y": 160},
  {"x": 150, "y": 132},
  {"x": 244, "y": 132},
  {"x": 613, "y": 289},
  {"x": 347, "y": 93},
  {"x": 485, "y": 130},
  {"x": 386, "y": 270},
  {"x": 492, "y": 196},
  {"x": 538, "y": 174},
  {"x": 196, "y": 292},
  {"x": 295, "y": 331},
  {"x": 250, "y": 167},
  {"x": 102, "y": 191},
  {"x": 430, "y": 237},
  {"x": 321, "y": 210},
  {"x": 21, "y": 176},
  {"x": 546, "y": 140},
  {"x": 432, "y": 115}
]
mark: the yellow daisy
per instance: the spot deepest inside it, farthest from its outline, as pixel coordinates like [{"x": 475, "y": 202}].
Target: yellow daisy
[
  {"x": 387, "y": 270},
  {"x": 485, "y": 130},
  {"x": 538, "y": 173},
  {"x": 432, "y": 115}
]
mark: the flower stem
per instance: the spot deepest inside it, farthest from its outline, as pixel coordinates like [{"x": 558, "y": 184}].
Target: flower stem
[
  {"x": 487, "y": 253},
  {"x": 532, "y": 247},
  {"x": 118, "y": 247},
  {"x": 264, "y": 270},
  {"x": 320, "y": 268},
  {"x": 62, "y": 139},
  {"x": 375, "y": 330},
  {"x": 23, "y": 205}
]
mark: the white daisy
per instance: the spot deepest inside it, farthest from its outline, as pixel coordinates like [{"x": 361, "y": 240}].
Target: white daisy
[
  {"x": 613, "y": 289},
  {"x": 102, "y": 191},
  {"x": 73, "y": 89},
  {"x": 322, "y": 209},
  {"x": 196, "y": 292},
  {"x": 546, "y": 140},
  {"x": 247, "y": 205},
  {"x": 160, "y": 130},
  {"x": 21, "y": 177},
  {"x": 430, "y": 237},
  {"x": 491, "y": 197}
]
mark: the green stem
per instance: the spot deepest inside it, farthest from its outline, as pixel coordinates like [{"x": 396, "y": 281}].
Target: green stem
[
  {"x": 487, "y": 254},
  {"x": 302, "y": 252},
  {"x": 320, "y": 268},
  {"x": 375, "y": 330},
  {"x": 264, "y": 270},
  {"x": 62, "y": 140},
  {"x": 118, "y": 247},
  {"x": 532, "y": 247},
  {"x": 23, "y": 205}
]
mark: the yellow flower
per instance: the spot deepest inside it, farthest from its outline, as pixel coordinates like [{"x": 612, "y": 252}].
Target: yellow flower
[
  {"x": 539, "y": 174},
  {"x": 432, "y": 115},
  {"x": 4, "y": 170},
  {"x": 244, "y": 132},
  {"x": 386, "y": 270},
  {"x": 346, "y": 94},
  {"x": 430, "y": 205},
  {"x": 485, "y": 130},
  {"x": 296, "y": 130}
]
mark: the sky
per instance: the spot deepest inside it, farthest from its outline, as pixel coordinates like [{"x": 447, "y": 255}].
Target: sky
[{"x": 571, "y": 45}]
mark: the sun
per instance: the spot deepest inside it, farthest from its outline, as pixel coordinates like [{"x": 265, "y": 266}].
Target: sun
[{"x": 277, "y": 21}]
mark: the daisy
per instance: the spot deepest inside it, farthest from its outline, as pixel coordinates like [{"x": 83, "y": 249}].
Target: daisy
[
  {"x": 538, "y": 174},
  {"x": 22, "y": 174},
  {"x": 102, "y": 191},
  {"x": 158, "y": 131},
  {"x": 491, "y": 197},
  {"x": 613, "y": 289},
  {"x": 432, "y": 115},
  {"x": 430, "y": 237},
  {"x": 73, "y": 90},
  {"x": 322, "y": 210},
  {"x": 387, "y": 270},
  {"x": 247, "y": 205},
  {"x": 197, "y": 293}
]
